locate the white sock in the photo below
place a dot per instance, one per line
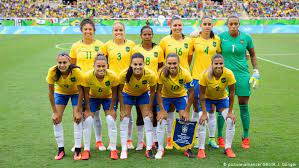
(170, 118)
(212, 124)
(112, 131)
(140, 134)
(195, 117)
(130, 128)
(87, 129)
(160, 134)
(123, 127)
(97, 125)
(230, 130)
(201, 133)
(148, 125)
(155, 139)
(78, 134)
(58, 133)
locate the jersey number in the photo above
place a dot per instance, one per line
(174, 87)
(179, 51)
(88, 54)
(118, 56)
(147, 60)
(207, 50)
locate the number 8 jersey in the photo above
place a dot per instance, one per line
(182, 48)
(151, 58)
(85, 54)
(118, 55)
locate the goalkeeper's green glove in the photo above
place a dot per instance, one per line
(255, 79)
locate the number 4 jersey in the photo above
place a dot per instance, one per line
(204, 50)
(85, 54)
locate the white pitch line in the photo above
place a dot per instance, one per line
(277, 63)
(61, 48)
(279, 54)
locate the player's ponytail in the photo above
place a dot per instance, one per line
(130, 69)
(166, 69)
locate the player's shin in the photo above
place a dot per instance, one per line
(87, 129)
(148, 132)
(58, 133)
(112, 131)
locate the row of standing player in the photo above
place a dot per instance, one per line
(118, 50)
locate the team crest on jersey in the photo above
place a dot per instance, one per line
(66, 86)
(223, 80)
(96, 48)
(73, 79)
(128, 49)
(144, 82)
(107, 83)
(181, 81)
(156, 54)
(100, 90)
(214, 44)
(242, 41)
(186, 45)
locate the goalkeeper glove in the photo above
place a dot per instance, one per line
(255, 79)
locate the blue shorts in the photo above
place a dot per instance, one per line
(196, 88)
(61, 99)
(180, 103)
(222, 103)
(94, 104)
(136, 100)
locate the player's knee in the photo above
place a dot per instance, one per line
(230, 124)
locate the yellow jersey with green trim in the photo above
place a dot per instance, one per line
(216, 88)
(118, 55)
(68, 85)
(173, 87)
(183, 48)
(103, 88)
(137, 87)
(204, 50)
(85, 54)
(151, 58)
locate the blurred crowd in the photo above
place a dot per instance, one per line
(146, 8)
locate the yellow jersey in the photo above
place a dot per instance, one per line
(174, 87)
(151, 58)
(216, 88)
(85, 54)
(100, 89)
(118, 55)
(183, 49)
(138, 87)
(204, 50)
(68, 85)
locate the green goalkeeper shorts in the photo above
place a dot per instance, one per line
(242, 87)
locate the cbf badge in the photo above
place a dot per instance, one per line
(183, 134)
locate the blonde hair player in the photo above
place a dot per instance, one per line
(118, 52)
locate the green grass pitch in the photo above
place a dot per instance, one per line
(26, 130)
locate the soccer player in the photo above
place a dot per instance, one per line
(100, 88)
(83, 53)
(206, 45)
(213, 83)
(137, 87)
(119, 51)
(173, 83)
(177, 43)
(234, 45)
(64, 81)
(154, 58)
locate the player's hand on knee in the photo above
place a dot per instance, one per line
(185, 115)
(122, 115)
(112, 113)
(55, 118)
(203, 118)
(232, 116)
(255, 79)
(77, 117)
(162, 115)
